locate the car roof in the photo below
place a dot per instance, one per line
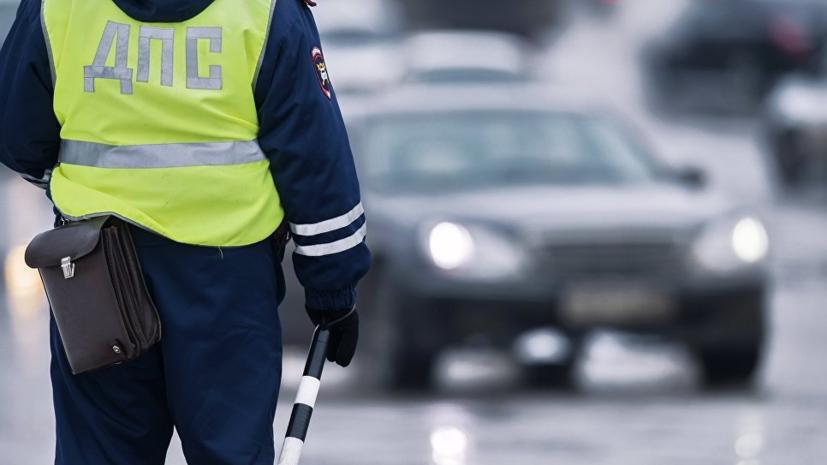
(452, 98)
(468, 49)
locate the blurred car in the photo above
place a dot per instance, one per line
(795, 124)
(361, 44)
(466, 56)
(729, 54)
(528, 18)
(505, 217)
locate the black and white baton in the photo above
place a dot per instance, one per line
(291, 450)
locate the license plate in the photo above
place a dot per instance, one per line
(616, 304)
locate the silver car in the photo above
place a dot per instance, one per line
(502, 215)
(361, 44)
(463, 57)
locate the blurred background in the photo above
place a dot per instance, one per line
(599, 236)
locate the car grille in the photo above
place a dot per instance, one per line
(651, 260)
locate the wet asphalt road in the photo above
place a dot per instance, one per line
(638, 401)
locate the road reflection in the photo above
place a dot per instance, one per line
(449, 446)
(24, 290)
(26, 306)
(450, 439)
(749, 441)
(24, 212)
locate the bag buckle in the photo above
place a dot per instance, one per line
(68, 267)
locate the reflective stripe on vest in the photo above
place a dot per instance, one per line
(159, 155)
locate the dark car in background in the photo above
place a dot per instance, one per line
(726, 55)
(528, 18)
(508, 218)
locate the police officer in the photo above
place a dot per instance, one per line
(205, 124)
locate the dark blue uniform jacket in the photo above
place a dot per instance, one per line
(301, 131)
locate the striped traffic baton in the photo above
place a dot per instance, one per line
(291, 450)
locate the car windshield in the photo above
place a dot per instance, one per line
(472, 150)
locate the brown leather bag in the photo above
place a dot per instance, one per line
(103, 310)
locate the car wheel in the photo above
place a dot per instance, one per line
(391, 359)
(730, 366)
(410, 370)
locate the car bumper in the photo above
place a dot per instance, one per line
(698, 311)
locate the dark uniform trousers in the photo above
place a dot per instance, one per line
(214, 377)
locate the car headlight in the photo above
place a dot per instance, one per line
(472, 251)
(750, 240)
(450, 245)
(732, 244)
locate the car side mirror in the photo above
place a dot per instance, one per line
(691, 176)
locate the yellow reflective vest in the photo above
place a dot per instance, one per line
(158, 120)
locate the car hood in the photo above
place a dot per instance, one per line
(563, 209)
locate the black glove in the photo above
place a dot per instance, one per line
(344, 333)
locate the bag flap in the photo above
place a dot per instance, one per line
(75, 240)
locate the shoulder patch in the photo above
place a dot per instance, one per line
(321, 71)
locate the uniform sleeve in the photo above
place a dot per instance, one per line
(29, 131)
(303, 135)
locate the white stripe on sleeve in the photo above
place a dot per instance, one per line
(334, 247)
(328, 225)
